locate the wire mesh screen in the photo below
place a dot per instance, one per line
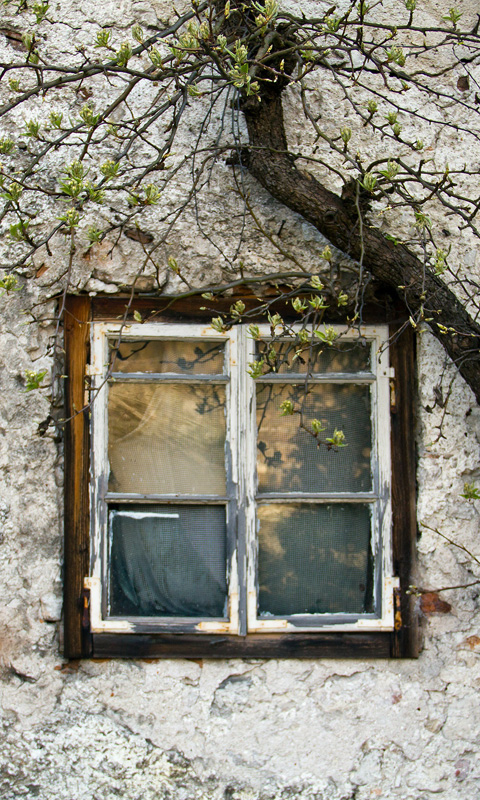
(158, 355)
(168, 561)
(166, 438)
(314, 559)
(288, 458)
(292, 356)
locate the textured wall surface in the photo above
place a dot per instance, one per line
(239, 730)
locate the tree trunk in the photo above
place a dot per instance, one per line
(394, 265)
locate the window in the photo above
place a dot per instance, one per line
(220, 524)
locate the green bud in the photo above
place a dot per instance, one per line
(369, 182)
(422, 221)
(255, 368)
(6, 145)
(275, 321)
(40, 10)
(87, 115)
(396, 55)
(94, 193)
(328, 335)
(9, 283)
(18, 230)
(34, 379)
(453, 16)
(337, 439)
(152, 194)
(298, 305)
(109, 169)
(391, 171)
(217, 324)
(28, 40)
(32, 129)
(56, 119)
(304, 336)
(470, 492)
(315, 281)
(287, 408)
(71, 218)
(317, 303)
(155, 58)
(237, 309)
(124, 54)
(103, 39)
(333, 23)
(440, 262)
(317, 426)
(13, 192)
(94, 234)
(137, 33)
(254, 331)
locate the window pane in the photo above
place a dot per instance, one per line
(167, 438)
(158, 355)
(288, 459)
(314, 559)
(168, 561)
(300, 358)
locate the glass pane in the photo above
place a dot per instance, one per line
(288, 458)
(314, 559)
(167, 438)
(158, 355)
(293, 356)
(168, 561)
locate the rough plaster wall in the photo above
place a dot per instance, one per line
(245, 730)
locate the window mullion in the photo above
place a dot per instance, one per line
(235, 565)
(99, 425)
(383, 508)
(250, 470)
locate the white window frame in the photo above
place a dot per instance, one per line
(241, 438)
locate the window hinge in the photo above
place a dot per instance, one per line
(397, 608)
(92, 369)
(86, 608)
(393, 395)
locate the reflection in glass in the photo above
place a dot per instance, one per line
(293, 356)
(288, 458)
(314, 559)
(168, 561)
(162, 355)
(166, 438)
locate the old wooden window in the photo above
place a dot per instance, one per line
(217, 525)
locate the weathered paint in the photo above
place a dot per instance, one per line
(239, 729)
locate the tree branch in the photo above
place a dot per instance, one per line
(426, 295)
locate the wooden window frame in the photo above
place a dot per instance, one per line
(79, 641)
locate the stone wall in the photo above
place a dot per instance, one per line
(239, 729)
